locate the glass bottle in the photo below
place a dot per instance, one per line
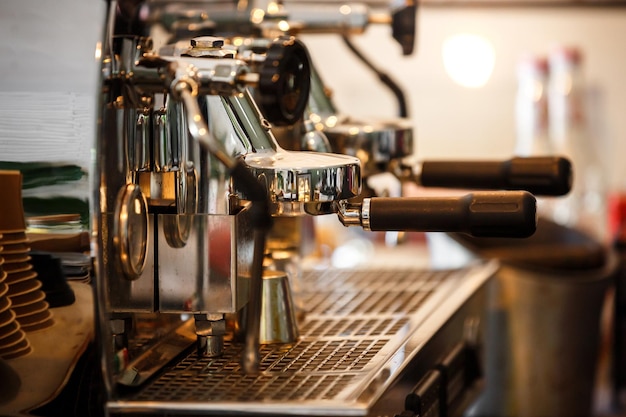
(531, 116)
(531, 107)
(585, 206)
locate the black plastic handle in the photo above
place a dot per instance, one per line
(549, 176)
(480, 214)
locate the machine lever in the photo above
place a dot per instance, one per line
(480, 214)
(549, 176)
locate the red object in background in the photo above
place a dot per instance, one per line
(617, 217)
(220, 251)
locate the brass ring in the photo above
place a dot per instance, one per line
(130, 230)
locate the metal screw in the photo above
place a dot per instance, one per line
(207, 42)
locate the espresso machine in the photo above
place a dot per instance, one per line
(189, 181)
(382, 145)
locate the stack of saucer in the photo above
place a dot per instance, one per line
(13, 341)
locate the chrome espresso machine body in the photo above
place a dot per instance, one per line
(188, 177)
(383, 145)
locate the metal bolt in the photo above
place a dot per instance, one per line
(118, 326)
(210, 330)
(209, 47)
(210, 327)
(207, 42)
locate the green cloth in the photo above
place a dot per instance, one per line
(38, 174)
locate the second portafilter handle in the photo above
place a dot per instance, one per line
(480, 214)
(547, 176)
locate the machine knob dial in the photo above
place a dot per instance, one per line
(284, 82)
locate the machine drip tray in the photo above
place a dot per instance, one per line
(362, 330)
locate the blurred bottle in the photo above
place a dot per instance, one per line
(531, 115)
(585, 207)
(531, 107)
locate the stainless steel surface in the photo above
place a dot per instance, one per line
(356, 214)
(174, 121)
(365, 213)
(250, 355)
(167, 152)
(375, 142)
(362, 329)
(350, 214)
(140, 140)
(144, 367)
(210, 331)
(130, 231)
(210, 273)
(278, 317)
(543, 352)
(298, 180)
(291, 177)
(346, 18)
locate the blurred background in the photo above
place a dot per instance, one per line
(48, 75)
(455, 120)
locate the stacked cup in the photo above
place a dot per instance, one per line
(13, 341)
(27, 299)
(22, 293)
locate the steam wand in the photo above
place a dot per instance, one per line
(385, 78)
(260, 214)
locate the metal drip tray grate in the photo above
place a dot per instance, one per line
(376, 292)
(318, 327)
(308, 371)
(356, 321)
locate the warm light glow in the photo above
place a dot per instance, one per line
(354, 131)
(331, 121)
(315, 118)
(283, 25)
(273, 8)
(98, 51)
(468, 59)
(304, 188)
(257, 15)
(345, 9)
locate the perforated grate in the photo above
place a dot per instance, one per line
(318, 327)
(353, 318)
(308, 370)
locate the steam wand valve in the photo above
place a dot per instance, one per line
(261, 217)
(547, 176)
(480, 214)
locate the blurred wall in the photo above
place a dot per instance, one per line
(454, 121)
(48, 78)
(47, 64)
